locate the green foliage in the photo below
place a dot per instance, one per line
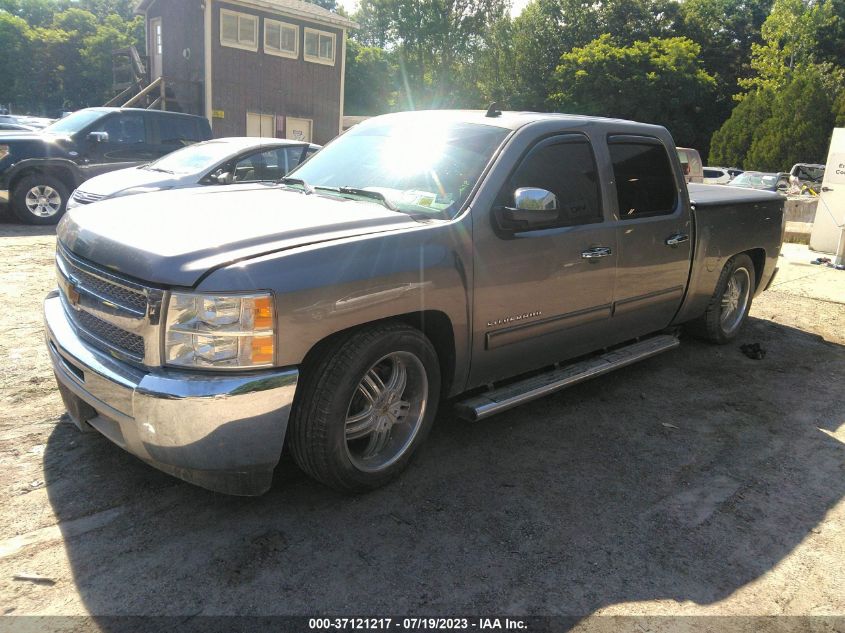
(370, 77)
(798, 129)
(58, 53)
(730, 144)
(546, 29)
(656, 81)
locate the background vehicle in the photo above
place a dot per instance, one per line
(808, 174)
(15, 127)
(716, 176)
(38, 171)
(691, 164)
(220, 161)
(419, 256)
(761, 180)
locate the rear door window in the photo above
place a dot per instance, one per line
(177, 131)
(645, 185)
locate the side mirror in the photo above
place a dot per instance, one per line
(98, 137)
(224, 178)
(533, 208)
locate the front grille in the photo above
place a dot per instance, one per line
(109, 311)
(96, 330)
(83, 197)
(121, 295)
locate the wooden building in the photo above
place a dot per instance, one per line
(253, 67)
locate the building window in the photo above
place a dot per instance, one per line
(281, 38)
(319, 47)
(238, 30)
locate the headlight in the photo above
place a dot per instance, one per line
(220, 332)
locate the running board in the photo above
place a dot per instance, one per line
(514, 394)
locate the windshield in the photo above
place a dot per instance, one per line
(72, 123)
(193, 158)
(419, 166)
(755, 181)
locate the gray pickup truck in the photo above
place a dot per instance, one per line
(486, 258)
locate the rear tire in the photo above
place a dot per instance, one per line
(728, 308)
(39, 199)
(366, 404)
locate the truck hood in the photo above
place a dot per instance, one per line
(172, 238)
(114, 182)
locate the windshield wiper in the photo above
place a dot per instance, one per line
(364, 193)
(151, 168)
(285, 180)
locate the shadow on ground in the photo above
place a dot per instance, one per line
(10, 226)
(561, 507)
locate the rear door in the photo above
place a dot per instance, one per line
(174, 132)
(544, 295)
(653, 234)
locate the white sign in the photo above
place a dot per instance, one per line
(835, 169)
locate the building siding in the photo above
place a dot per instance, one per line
(245, 81)
(183, 60)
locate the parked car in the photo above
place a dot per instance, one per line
(417, 257)
(716, 176)
(734, 171)
(761, 180)
(691, 164)
(221, 161)
(808, 173)
(6, 126)
(38, 171)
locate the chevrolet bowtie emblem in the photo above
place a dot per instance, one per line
(73, 294)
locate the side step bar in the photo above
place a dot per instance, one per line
(514, 394)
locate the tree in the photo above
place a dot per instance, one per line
(730, 143)
(798, 130)
(546, 29)
(15, 41)
(790, 38)
(655, 81)
(434, 41)
(370, 77)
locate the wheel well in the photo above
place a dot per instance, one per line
(436, 326)
(758, 258)
(61, 173)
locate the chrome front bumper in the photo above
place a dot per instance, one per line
(221, 432)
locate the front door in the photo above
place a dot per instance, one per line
(155, 48)
(654, 236)
(124, 142)
(546, 295)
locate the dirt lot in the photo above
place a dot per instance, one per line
(699, 482)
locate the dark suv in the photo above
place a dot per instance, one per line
(39, 171)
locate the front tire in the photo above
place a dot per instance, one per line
(730, 304)
(366, 405)
(39, 199)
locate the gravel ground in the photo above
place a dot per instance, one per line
(700, 482)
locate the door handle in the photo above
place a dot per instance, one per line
(827, 189)
(677, 238)
(596, 252)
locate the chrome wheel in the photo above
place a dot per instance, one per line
(43, 201)
(735, 300)
(386, 411)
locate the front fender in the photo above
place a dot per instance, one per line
(41, 164)
(330, 287)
